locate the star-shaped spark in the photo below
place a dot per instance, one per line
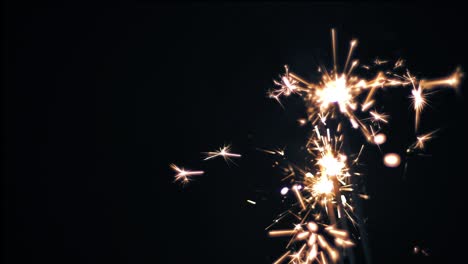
(184, 175)
(222, 152)
(379, 117)
(287, 85)
(419, 102)
(422, 139)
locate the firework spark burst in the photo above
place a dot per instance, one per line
(324, 189)
(326, 186)
(350, 95)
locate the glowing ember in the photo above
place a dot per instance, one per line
(379, 139)
(392, 160)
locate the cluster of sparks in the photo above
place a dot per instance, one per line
(322, 192)
(354, 96)
(324, 189)
(314, 245)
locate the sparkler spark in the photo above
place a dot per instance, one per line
(184, 175)
(419, 102)
(222, 152)
(422, 139)
(392, 160)
(379, 139)
(287, 85)
(312, 243)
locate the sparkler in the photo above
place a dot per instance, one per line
(324, 188)
(327, 186)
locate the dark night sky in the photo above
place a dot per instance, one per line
(98, 100)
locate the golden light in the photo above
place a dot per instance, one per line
(334, 91)
(392, 160)
(323, 186)
(380, 138)
(222, 152)
(422, 139)
(332, 166)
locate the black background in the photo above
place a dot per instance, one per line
(100, 99)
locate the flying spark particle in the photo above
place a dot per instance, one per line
(392, 160)
(184, 175)
(251, 202)
(379, 139)
(222, 152)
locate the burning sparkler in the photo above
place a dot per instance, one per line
(324, 189)
(326, 183)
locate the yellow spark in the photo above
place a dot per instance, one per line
(377, 61)
(302, 235)
(287, 84)
(379, 139)
(222, 152)
(323, 186)
(343, 243)
(251, 202)
(332, 165)
(282, 258)
(419, 102)
(277, 233)
(399, 63)
(364, 196)
(392, 160)
(337, 233)
(378, 117)
(422, 139)
(453, 81)
(352, 46)
(299, 196)
(273, 152)
(312, 252)
(313, 243)
(184, 175)
(367, 105)
(313, 227)
(302, 121)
